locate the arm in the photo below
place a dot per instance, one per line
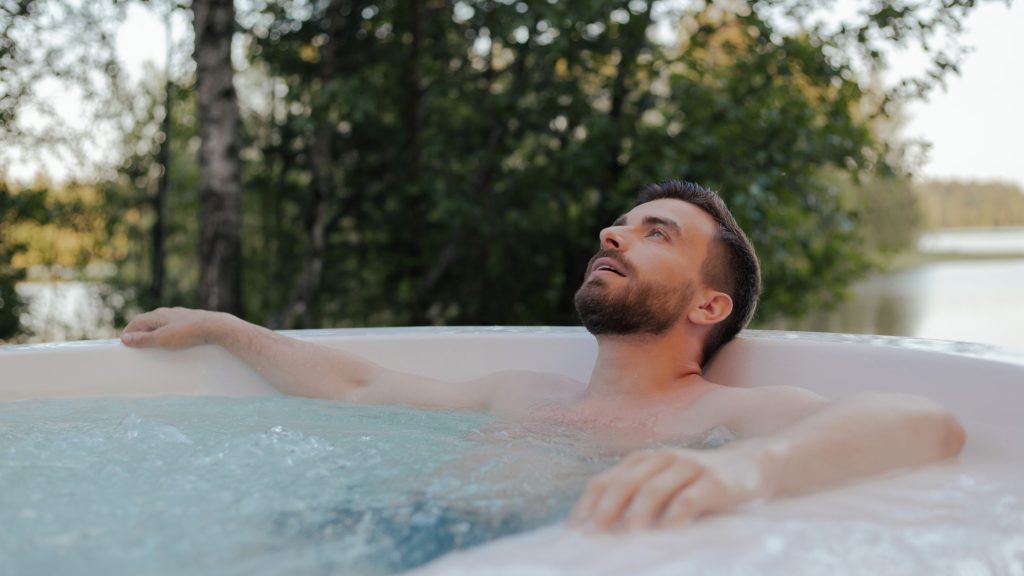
(865, 435)
(299, 367)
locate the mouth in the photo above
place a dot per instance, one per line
(607, 265)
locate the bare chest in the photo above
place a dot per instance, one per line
(624, 428)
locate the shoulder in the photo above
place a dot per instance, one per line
(783, 395)
(763, 410)
(790, 395)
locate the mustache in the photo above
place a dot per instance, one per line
(624, 264)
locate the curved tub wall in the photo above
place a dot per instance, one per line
(985, 393)
(107, 368)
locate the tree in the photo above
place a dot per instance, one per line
(474, 141)
(67, 44)
(68, 47)
(159, 146)
(12, 209)
(452, 162)
(959, 204)
(220, 188)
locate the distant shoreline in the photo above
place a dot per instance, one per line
(914, 258)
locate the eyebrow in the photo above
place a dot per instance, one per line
(652, 221)
(656, 221)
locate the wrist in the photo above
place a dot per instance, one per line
(222, 329)
(769, 458)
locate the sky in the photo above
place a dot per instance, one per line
(975, 126)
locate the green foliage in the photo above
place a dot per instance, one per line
(476, 148)
(889, 214)
(127, 199)
(58, 44)
(15, 207)
(10, 302)
(530, 130)
(53, 231)
(956, 204)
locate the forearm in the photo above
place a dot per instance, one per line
(293, 366)
(865, 435)
(301, 367)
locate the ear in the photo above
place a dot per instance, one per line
(712, 307)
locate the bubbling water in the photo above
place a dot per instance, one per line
(267, 485)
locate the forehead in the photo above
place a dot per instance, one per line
(690, 219)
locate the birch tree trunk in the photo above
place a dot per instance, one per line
(159, 231)
(220, 249)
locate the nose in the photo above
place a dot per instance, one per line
(612, 238)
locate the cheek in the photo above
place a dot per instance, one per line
(689, 266)
(674, 270)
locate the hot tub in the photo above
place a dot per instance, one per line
(962, 517)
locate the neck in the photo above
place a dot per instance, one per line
(644, 367)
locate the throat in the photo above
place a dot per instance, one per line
(641, 371)
(643, 388)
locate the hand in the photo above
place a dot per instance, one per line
(666, 488)
(175, 328)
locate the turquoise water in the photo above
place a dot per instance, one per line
(266, 486)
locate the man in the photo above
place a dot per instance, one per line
(674, 279)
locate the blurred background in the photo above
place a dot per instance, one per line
(404, 162)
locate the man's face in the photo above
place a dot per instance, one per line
(644, 277)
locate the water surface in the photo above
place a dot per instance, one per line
(264, 486)
(964, 300)
(1009, 241)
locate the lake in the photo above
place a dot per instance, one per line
(974, 301)
(60, 311)
(962, 299)
(1005, 241)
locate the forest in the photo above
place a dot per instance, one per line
(404, 162)
(965, 204)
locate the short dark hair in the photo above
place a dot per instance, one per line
(731, 264)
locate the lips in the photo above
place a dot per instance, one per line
(608, 265)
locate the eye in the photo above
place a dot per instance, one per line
(658, 233)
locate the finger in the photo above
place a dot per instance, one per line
(619, 488)
(703, 496)
(657, 493)
(146, 322)
(141, 339)
(595, 488)
(589, 498)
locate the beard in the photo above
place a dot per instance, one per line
(640, 307)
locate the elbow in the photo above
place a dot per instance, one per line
(942, 425)
(953, 434)
(936, 425)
